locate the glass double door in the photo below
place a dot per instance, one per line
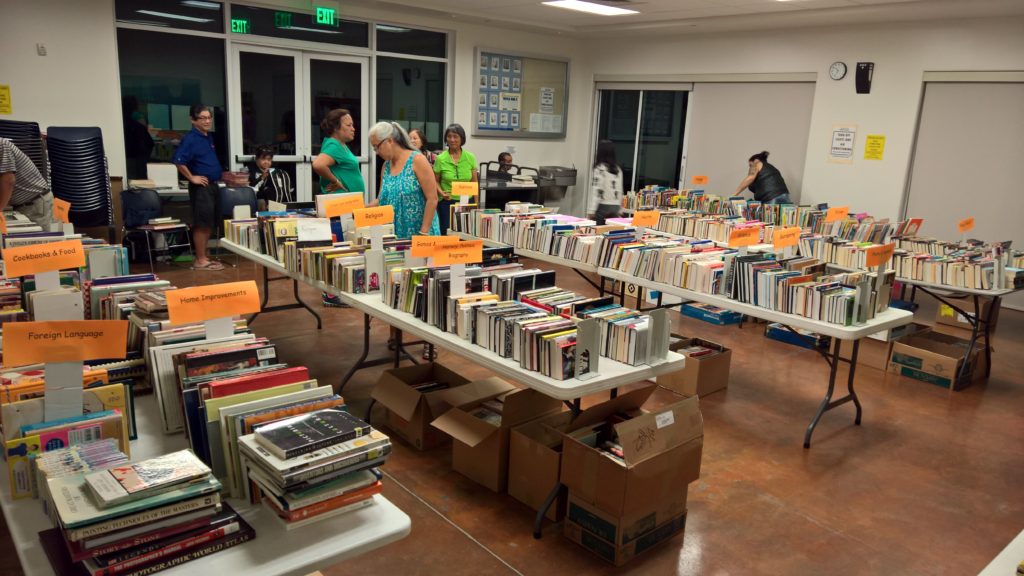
(278, 98)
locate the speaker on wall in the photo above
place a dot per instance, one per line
(864, 72)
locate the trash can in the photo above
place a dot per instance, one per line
(553, 181)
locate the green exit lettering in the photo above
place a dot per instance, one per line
(240, 26)
(282, 19)
(325, 16)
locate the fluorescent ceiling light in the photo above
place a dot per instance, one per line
(304, 29)
(388, 28)
(174, 16)
(589, 7)
(201, 4)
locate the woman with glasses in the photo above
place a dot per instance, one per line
(197, 162)
(453, 165)
(407, 183)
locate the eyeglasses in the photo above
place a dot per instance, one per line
(204, 118)
(376, 147)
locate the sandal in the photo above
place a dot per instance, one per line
(210, 265)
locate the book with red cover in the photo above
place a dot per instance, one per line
(326, 505)
(81, 549)
(260, 381)
(259, 353)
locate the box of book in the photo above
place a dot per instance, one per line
(633, 464)
(619, 540)
(711, 314)
(948, 316)
(480, 429)
(937, 358)
(413, 397)
(876, 349)
(803, 339)
(706, 369)
(535, 461)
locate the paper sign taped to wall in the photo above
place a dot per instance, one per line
(700, 180)
(874, 146)
(5, 99)
(965, 225)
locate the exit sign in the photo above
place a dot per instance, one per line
(282, 19)
(240, 26)
(325, 16)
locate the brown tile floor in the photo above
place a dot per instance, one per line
(929, 484)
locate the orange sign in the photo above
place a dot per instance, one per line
(785, 237)
(467, 252)
(425, 246)
(879, 255)
(65, 341)
(700, 180)
(374, 216)
(744, 237)
(465, 189)
(344, 205)
(837, 213)
(646, 218)
(201, 303)
(24, 260)
(3, 224)
(965, 225)
(61, 208)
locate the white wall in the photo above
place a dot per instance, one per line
(76, 83)
(901, 54)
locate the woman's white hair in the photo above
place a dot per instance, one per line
(384, 130)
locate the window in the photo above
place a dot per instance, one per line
(320, 26)
(411, 92)
(186, 14)
(401, 40)
(162, 75)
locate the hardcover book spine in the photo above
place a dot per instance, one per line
(160, 553)
(339, 465)
(313, 447)
(195, 553)
(143, 517)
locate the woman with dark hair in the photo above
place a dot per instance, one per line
(270, 184)
(606, 185)
(765, 181)
(419, 144)
(407, 182)
(336, 165)
(453, 165)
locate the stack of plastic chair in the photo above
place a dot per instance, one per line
(78, 174)
(25, 136)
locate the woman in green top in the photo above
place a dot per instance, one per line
(452, 165)
(336, 165)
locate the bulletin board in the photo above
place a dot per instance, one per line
(520, 96)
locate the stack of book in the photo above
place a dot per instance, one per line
(139, 518)
(163, 223)
(314, 466)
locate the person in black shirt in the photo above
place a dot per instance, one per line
(270, 184)
(765, 181)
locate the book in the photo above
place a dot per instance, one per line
(122, 484)
(307, 433)
(90, 533)
(142, 534)
(243, 535)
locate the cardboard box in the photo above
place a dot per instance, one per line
(946, 315)
(661, 456)
(590, 527)
(535, 462)
(702, 375)
(480, 448)
(936, 358)
(409, 412)
(712, 314)
(876, 349)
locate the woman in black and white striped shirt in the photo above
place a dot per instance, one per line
(270, 184)
(22, 187)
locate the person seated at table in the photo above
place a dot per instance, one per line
(270, 184)
(504, 162)
(22, 187)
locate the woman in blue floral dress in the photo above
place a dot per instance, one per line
(407, 182)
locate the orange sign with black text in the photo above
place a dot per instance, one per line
(374, 216)
(466, 252)
(63, 341)
(201, 303)
(25, 260)
(744, 237)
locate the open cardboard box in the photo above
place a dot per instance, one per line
(936, 358)
(591, 527)
(410, 412)
(946, 315)
(661, 456)
(535, 462)
(480, 448)
(701, 375)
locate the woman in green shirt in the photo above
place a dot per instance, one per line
(336, 165)
(452, 165)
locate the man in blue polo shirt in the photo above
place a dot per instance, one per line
(198, 163)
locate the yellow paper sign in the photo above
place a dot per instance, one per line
(426, 246)
(374, 216)
(344, 205)
(65, 341)
(5, 99)
(744, 237)
(785, 237)
(24, 260)
(879, 255)
(466, 252)
(837, 213)
(874, 147)
(646, 218)
(461, 189)
(61, 209)
(201, 303)
(965, 225)
(700, 180)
